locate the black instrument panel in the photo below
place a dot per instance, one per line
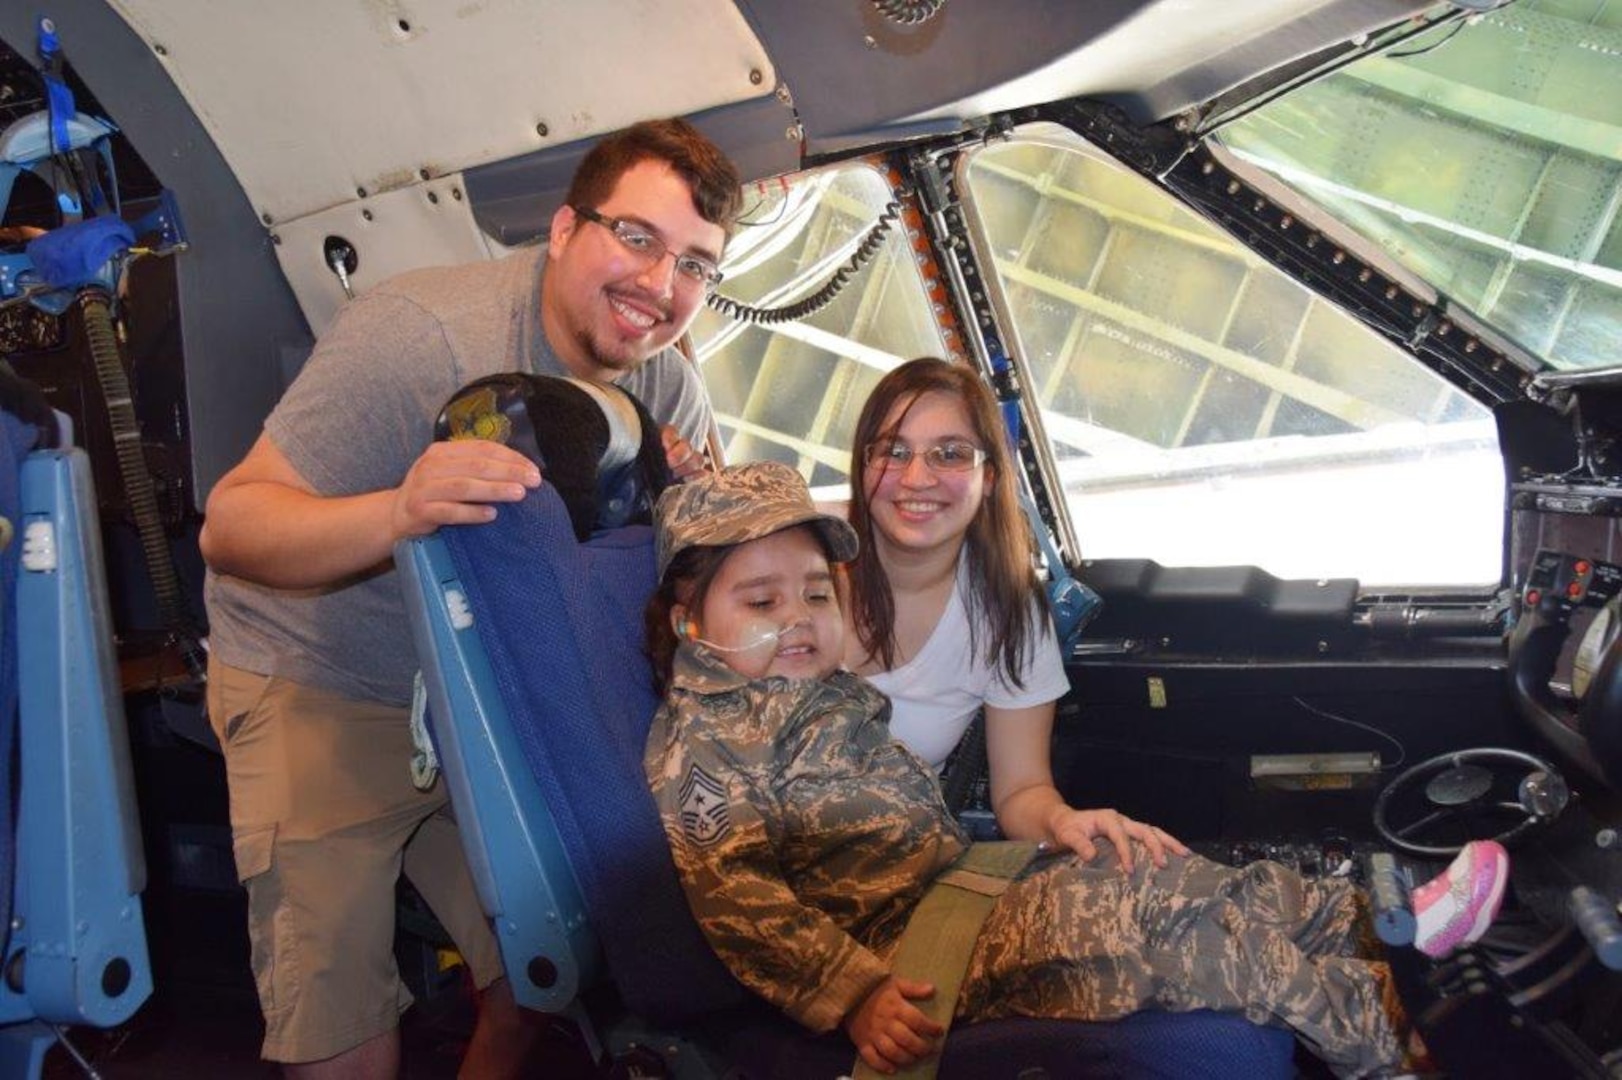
(1557, 583)
(1567, 627)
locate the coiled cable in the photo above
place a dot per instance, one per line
(909, 12)
(810, 305)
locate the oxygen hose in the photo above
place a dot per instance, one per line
(96, 307)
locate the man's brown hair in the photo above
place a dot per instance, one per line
(712, 178)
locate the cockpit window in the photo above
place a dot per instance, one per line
(1484, 156)
(790, 389)
(1205, 409)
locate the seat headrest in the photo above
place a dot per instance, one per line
(594, 442)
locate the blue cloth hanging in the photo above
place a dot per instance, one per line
(77, 254)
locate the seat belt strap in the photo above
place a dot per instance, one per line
(940, 935)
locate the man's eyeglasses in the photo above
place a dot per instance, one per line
(652, 248)
(943, 457)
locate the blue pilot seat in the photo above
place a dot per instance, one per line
(71, 867)
(540, 698)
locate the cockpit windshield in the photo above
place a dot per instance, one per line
(1483, 155)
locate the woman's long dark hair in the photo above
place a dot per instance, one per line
(1002, 576)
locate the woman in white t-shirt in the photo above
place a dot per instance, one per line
(946, 610)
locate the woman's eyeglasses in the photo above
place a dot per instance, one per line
(942, 457)
(652, 248)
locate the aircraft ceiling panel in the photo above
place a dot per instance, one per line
(311, 103)
(855, 73)
(1254, 38)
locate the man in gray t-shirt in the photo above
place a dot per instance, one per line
(311, 659)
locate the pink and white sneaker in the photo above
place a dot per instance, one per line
(1456, 907)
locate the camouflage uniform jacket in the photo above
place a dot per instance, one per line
(804, 835)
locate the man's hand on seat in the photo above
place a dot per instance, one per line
(685, 462)
(454, 482)
(889, 1030)
(267, 524)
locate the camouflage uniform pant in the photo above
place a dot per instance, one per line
(1083, 941)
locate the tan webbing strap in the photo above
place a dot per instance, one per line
(940, 936)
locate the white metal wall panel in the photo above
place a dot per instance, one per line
(311, 101)
(426, 224)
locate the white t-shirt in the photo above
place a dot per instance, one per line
(935, 694)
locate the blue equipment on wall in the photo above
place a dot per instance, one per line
(83, 262)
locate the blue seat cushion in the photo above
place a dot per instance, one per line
(582, 720)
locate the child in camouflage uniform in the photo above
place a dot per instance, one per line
(805, 836)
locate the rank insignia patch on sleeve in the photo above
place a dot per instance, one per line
(705, 817)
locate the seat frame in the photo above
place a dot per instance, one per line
(530, 893)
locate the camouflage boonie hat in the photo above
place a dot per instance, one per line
(739, 503)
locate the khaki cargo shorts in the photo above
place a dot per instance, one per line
(324, 818)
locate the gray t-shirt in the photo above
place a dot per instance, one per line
(359, 414)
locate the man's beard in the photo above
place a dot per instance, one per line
(620, 363)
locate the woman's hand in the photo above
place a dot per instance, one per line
(1077, 829)
(889, 1031)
